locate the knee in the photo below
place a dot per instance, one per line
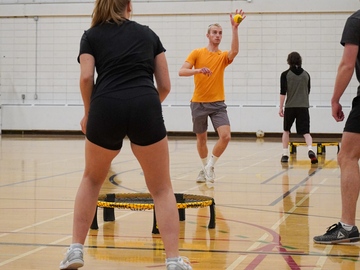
(345, 158)
(225, 137)
(202, 141)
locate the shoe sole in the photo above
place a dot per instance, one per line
(74, 265)
(200, 181)
(347, 240)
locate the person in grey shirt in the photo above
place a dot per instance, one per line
(295, 87)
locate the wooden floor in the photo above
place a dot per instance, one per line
(266, 213)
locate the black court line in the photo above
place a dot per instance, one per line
(276, 175)
(298, 185)
(240, 252)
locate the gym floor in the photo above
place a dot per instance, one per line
(266, 212)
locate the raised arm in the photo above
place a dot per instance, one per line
(235, 36)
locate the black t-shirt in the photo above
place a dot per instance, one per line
(124, 58)
(351, 34)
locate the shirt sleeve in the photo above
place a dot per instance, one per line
(351, 33)
(283, 83)
(192, 57)
(227, 61)
(159, 48)
(85, 46)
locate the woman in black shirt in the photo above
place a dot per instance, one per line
(123, 102)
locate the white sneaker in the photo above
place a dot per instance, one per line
(73, 260)
(178, 264)
(210, 174)
(201, 177)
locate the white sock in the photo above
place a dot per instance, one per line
(76, 245)
(310, 148)
(204, 161)
(285, 152)
(346, 226)
(212, 161)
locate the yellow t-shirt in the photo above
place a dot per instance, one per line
(209, 89)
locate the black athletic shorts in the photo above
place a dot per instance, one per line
(302, 117)
(140, 118)
(353, 122)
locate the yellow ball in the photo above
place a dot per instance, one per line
(238, 18)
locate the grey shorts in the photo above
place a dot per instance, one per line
(215, 110)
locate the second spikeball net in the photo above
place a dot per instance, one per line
(144, 201)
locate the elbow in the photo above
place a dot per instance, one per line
(181, 73)
(165, 90)
(347, 66)
(86, 79)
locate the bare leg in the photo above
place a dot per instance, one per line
(97, 164)
(201, 144)
(308, 139)
(285, 139)
(154, 160)
(348, 159)
(224, 139)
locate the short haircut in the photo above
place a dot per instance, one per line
(211, 25)
(294, 59)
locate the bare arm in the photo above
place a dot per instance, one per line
(187, 70)
(235, 36)
(343, 77)
(162, 77)
(87, 66)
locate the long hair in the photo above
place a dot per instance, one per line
(294, 60)
(109, 10)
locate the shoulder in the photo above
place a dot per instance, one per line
(284, 73)
(355, 15)
(353, 21)
(198, 51)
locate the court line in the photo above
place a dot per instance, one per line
(298, 185)
(276, 175)
(311, 254)
(320, 263)
(241, 258)
(36, 224)
(52, 243)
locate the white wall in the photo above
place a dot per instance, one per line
(38, 59)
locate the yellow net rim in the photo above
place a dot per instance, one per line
(198, 201)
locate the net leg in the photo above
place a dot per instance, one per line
(109, 213)
(319, 149)
(94, 224)
(212, 215)
(155, 229)
(180, 199)
(291, 148)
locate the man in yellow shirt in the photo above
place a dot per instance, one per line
(209, 98)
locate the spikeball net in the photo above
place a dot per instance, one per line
(144, 201)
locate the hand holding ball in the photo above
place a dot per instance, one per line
(238, 18)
